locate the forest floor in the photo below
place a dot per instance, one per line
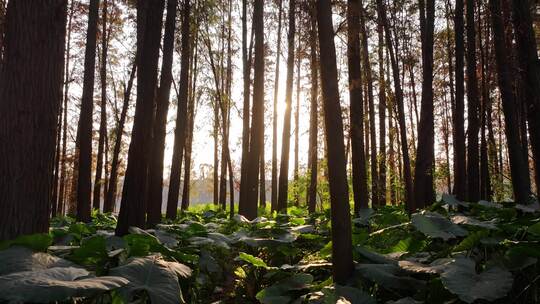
(486, 252)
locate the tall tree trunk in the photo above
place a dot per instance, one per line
(382, 109)
(530, 75)
(135, 190)
(458, 118)
(473, 107)
(110, 199)
(246, 65)
(193, 98)
(409, 198)
(67, 76)
(339, 192)
(425, 158)
(359, 178)
(313, 116)
(255, 144)
(29, 113)
(450, 55)
(518, 168)
(286, 137)
(215, 173)
(84, 183)
(274, 194)
(296, 132)
(180, 131)
(157, 150)
(96, 203)
(373, 147)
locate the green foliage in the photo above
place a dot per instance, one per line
(437, 255)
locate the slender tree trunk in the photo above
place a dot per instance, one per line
(286, 137)
(193, 98)
(530, 75)
(458, 120)
(373, 148)
(180, 131)
(355, 21)
(296, 132)
(339, 193)
(84, 183)
(382, 111)
(255, 144)
(518, 168)
(135, 190)
(274, 194)
(157, 150)
(425, 158)
(67, 76)
(409, 198)
(110, 199)
(29, 113)
(96, 203)
(313, 116)
(215, 134)
(473, 159)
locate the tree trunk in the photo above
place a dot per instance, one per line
(382, 109)
(458, 120)
(67, 76)
(135, 191)
(84, 183)
(180, 131)
(110, 199)
(425, 157)
(518, 168)
(31, 95)
(359, 178)
(409, 198)
(473, 105)
(296, 132)
(249, 210)
(339, 193)
(96, 203)
(313, 116)
(274, 194)
(530, 75)
(157, 150)
(286, 136)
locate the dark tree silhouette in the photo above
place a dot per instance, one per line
(458, 120)
(135, 191)
(84, 184)
(339, 193)
(30, 97)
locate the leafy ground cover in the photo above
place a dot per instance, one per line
(455, 252)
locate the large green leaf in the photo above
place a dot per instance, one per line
(279, 292)
(436, 226)
(18, 259)
(36, 242)
(467, 220)
(461, 279)
(152, 274)
(54, 284)
(346, 294)
(253, 260)
(389, 276)
(437, 266)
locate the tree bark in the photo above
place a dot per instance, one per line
(84, 183)
(31, 95)
(313, 116)
(518, 168)
(274, 194)
(530, 75)
(135, 190)
(157, 150)
(458, 118)
(425, 157)
(180, 131)
(339, 193)
(255, 144)
(359, 178)
(473, 105)
(96, 203)
(283, 182)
